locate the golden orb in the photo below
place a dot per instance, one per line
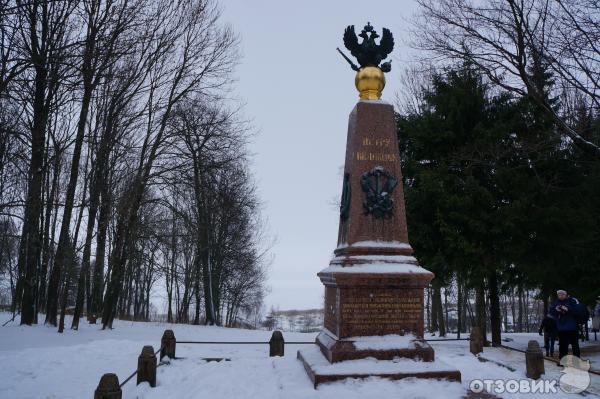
(370, 82)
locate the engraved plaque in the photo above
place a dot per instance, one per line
(366, 311)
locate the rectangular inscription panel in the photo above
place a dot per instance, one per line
(366, 311)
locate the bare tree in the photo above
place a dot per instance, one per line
(116, 120)
(197, 56)
(504, 38)
(107, 22)
(11, 64)
(45, 30)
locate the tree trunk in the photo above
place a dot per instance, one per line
(31, 242)
(98, 273)
(446, 308)
(459, 307)
(526, 304)
(63, 239)
(197, 288)
(63, 307)
(495, 315)
(46, 253)
(513, 310)
(521, 311)
(428, 309)
(124, 238)
(435, 326)
(480, 308)
(438, 311)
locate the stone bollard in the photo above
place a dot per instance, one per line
(534, 360)
(108, 387)
(276, 344)
(146, 370)
(476, 341)
(167, 345)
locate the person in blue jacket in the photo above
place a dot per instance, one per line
(564, 310)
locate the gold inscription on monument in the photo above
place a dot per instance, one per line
(375, 156)
(379, 144)
(384, 312)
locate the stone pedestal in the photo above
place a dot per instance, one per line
(373, 285)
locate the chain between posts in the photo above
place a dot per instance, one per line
(260, 343)
(290, 342)
(161, 363)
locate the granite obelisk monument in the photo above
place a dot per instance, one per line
(373, 321)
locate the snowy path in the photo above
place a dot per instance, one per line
(590, 349)
(39, 363)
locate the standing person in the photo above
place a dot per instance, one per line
(564, 310)
(548, 327)
(596, 316)
(584, 317)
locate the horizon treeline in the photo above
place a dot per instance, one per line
(123, 164)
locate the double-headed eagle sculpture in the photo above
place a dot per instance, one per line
(368, 53)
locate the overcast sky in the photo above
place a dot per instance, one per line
(299, 92)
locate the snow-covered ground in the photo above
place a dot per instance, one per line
(37, 362)
(590, 349)
(520, 340)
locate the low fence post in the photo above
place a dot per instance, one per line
(167, 344)
(476, 341)
(534, 360)
(276, 344)
(108, 387)
(146, 371)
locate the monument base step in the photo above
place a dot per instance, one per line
(320, 370)
(379, 347)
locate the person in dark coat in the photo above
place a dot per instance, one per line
(548, 327)
(564, 311)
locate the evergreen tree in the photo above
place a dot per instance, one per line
(495, 194)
